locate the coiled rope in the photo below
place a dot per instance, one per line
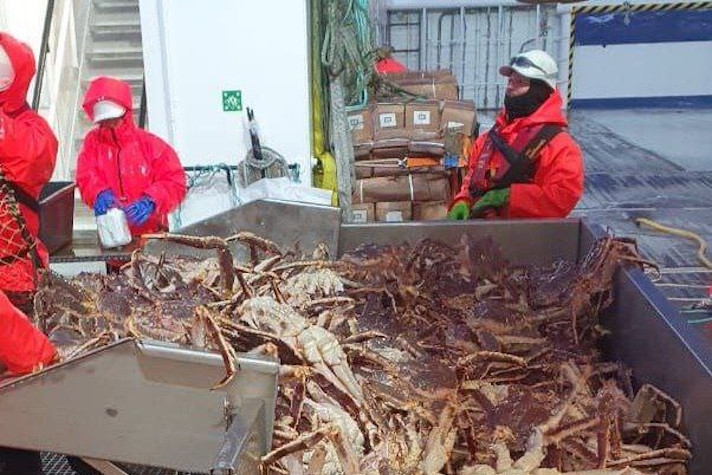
(272, 165)
(682, 233)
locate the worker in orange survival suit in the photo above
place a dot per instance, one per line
(28, 150)
(123, 166)
(527, 165)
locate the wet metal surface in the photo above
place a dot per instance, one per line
(655, 164)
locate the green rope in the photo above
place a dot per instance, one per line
(347, 47)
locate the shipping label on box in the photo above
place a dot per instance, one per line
(423, 116)
(393, 211)
(360, 125)
(363, 213)
(356, 122)
(389, 119)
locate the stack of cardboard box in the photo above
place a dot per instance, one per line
(399, 147)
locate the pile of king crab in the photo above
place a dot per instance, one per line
(401, 359)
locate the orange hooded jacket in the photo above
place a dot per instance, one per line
(557, 182)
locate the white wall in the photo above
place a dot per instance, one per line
(643, 70)
(195, 50)
(24, 19)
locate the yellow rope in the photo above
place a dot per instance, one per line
(682, 233)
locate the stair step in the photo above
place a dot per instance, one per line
(133, 76)
(117, 58)
(116, 30)
(116, 5)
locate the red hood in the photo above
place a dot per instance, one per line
(103, 88)
(23, 62)
(550, 112)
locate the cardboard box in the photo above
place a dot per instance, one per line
(459, 114)
(363, 212)
(429, 210)
(422, 116)
(388, 120)
(413, 187)
(360, 125)
(441, 84)
(363, 171)
(390, 148)
(393, 211)
(362, 151)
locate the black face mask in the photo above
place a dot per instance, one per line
(527, 103)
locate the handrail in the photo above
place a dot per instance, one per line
(44, 48)
(143, 108)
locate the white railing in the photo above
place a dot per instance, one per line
(60, 98)
(473, 39)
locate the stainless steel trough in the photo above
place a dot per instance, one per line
(151, 404)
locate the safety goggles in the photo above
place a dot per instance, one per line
(524, 62)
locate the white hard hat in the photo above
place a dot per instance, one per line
(7, 72)
(534, 64)
(106, 109)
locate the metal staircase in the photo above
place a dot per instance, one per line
(112, 47)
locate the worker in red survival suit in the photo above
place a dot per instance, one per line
(527, 165)
(123, 166)
(28, 150)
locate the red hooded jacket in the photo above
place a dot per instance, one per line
(129, 161)
(557, 183)
(28, 150)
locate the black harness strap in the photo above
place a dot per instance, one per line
(521, 163)
(24, 198)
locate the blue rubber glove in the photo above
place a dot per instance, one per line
(103, 202)
(140, 210)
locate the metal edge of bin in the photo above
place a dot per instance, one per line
(650, 336)
(286, 223)
(144, 403)
(526, 241)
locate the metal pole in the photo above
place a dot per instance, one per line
(143, 108)
(43, 54)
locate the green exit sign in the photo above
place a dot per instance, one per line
(232, 101)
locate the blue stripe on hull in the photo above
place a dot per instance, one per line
(643, 27)
(668, 102)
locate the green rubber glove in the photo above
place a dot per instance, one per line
(460, 211)
(492, 199)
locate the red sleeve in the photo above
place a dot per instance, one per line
(557, 185)
(26, 143)
(22, 346)
(168, 187)
(464, 193)
(90, 180)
